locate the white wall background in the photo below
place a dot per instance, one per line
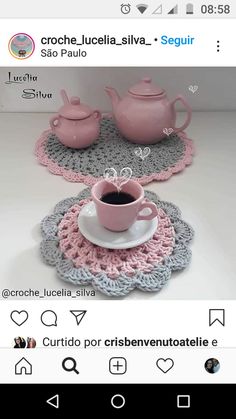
(217, 86)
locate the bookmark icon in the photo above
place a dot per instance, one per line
(217, 315)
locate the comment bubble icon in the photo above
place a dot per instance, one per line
(49, 318)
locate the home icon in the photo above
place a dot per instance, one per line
(23, 367)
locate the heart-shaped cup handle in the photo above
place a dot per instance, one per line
(54, 121)
(152, 214)
(189, 113)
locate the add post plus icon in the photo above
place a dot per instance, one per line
(118, 366)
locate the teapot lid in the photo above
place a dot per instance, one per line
(73, 108)
(146, 88)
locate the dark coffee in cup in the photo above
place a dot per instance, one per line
(117, 216)
(117, 198)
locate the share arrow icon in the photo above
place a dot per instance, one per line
(79, 315)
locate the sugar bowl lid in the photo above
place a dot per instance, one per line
(146, 88)
(73, 108)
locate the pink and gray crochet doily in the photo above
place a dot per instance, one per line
(115, 272)
(167, 157)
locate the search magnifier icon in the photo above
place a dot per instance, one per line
(69, 364)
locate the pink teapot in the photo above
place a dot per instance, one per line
(144, 112)
(76, 125)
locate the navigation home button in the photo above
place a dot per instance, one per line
(118, 401)
(54, 401)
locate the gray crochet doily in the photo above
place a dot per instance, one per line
(165, 158)
(173, 237)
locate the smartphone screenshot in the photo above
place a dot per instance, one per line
(117, 168)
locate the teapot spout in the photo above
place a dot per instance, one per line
(112, 93)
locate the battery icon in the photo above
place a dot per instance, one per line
(189, 9)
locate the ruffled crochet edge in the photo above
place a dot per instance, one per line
(121, 286)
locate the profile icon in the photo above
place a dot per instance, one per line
(212, 365)
(31, 343)
(21, 46)
(19, 343)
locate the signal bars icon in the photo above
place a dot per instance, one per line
(158, 11)
(173, 11)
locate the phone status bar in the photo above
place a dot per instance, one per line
(169, 9)
(130, 9)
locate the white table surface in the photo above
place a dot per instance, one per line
(205, 193)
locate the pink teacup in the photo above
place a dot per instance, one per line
(121, 217)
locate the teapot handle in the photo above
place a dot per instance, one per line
(55, 118)
(97, 115)
(189, 113)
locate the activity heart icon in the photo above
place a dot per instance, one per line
(192, 88)
(19, 317)
(142, 153)
(110, 174)
(165, 365)
(168, 131)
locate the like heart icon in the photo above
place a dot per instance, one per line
(168, 131)
(142, 153)
(19, 317)
(192, 88)
(110, 174)
(165, 365)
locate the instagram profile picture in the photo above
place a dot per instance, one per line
(21, 343)
(21, 46)
(212, 365)
(31, 342)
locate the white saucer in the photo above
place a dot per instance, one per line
(140, 232)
